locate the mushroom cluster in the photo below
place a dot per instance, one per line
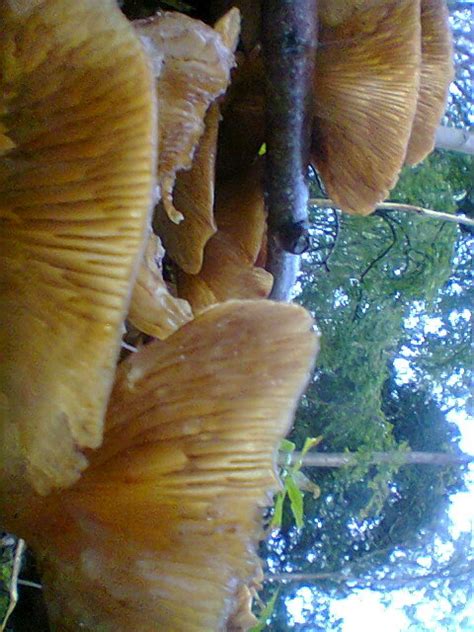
(140, 487)
(381, 78)
(144, 384)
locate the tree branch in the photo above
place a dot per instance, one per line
(350, 459)
(289, 38)
(395, 206)
(361, 582)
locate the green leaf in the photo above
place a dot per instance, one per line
(278, 511)
(266, 613)
(310, 442)
(287, 446)
(296, 500)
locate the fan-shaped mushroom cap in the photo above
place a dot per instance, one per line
(153, 309)
(193, 63)
(240, 210)
(193, 195)
(76, 179)
(226, 274)
(160, 532)
(366, 87)
(436, 74)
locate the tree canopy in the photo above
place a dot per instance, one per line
(390, 295)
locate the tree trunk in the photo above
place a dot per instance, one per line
(344, 459)
(454, 139)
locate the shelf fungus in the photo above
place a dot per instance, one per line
(192, 65)
(436, 74)
(161, 530)
(77, 170)
(382, 72)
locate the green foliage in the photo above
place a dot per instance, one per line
(373, 285)
(438, 182)
(294, 484)
(6, 564)
(266, 613)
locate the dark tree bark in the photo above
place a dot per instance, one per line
(289, 39)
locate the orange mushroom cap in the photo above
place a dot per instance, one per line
(335, 12)
(193, 195)
(366, 90)
(437, 72)
(193, 63)
(160, 532)
(153, 309)
(77, 164)
(228, 269)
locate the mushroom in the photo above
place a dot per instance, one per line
(229, 269)
(335, 12)
(153, 309)
(366, 92)
(77, 168)
(160, 532)
(380, 89)
(194, 194)
(193, 63)
(436, 74)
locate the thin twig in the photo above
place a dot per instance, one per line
(351, 459)
(362, 582)
(26, 582)
(395, 206)
(13, 595)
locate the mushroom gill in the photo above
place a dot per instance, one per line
(366, 91)
(436, 74)
(77, 168)
(160, 532)
(193, 195)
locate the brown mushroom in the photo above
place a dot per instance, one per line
(335, 12)
(77, 167)
(436, 74)
(160, 532)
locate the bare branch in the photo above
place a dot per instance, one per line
(367, 582)
(349, 459)
(395, 206)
